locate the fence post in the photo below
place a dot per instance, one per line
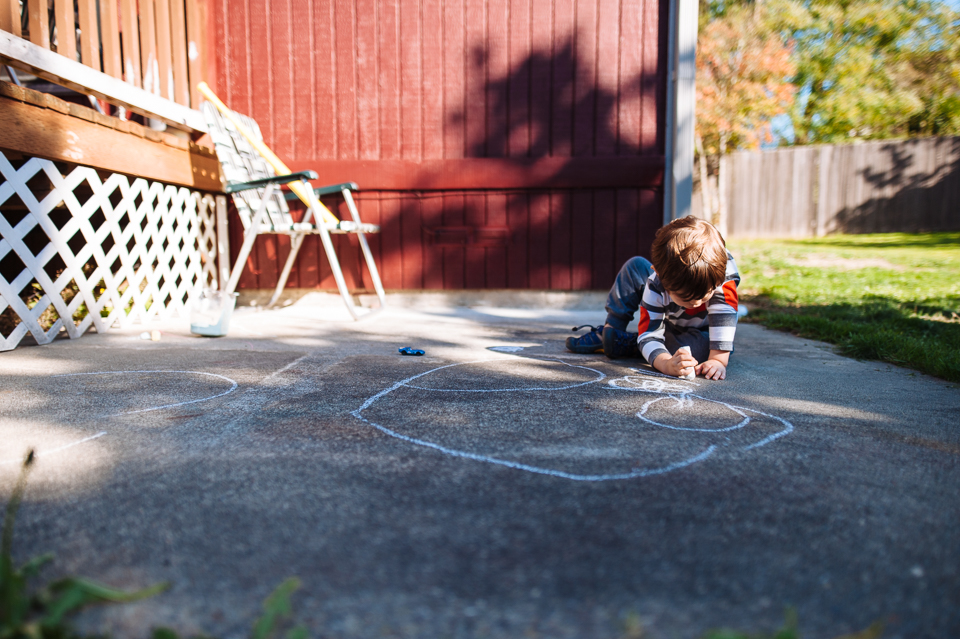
(723, 187)
(824, 157)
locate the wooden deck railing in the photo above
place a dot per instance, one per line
(155, 45)
(104, 220)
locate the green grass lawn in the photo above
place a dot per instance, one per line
(893, 297)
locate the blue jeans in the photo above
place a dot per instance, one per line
(623, 302)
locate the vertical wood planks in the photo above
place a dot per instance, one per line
(165, 48)
(130, 40)
(39, 22)
(631, 78)
(110, 39)
(473, 112)
(517, 83)
(585, 92)
(411, 68)
(267, 249)
(144, 42)
(325, 103)
(66, 28)
(346, 78)
(496, 50)
(89, 33)
(582, 242)
(178, 44)
(429, 80)
(368, 77)
(541, 77)
(563, 57)
(453, 213)
(433, 62)
(604, 237)
(196, 48)
(281, 106)
(652, 84)
(283, 71)
(627, 218)
(496, 256)
(453, 85)
(260, 66)
(561, 237)
(148, 45)
(824, 165)
(607, 118)
(538, 244)
(10, 17)
(870, 187)
(417, 264)
(304, 87)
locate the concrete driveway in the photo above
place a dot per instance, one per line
(498, 486)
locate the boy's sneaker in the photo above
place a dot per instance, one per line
(589, 343)
(617, 343)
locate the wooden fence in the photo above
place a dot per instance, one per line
(871, 187)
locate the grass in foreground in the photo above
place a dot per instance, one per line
(28, 611)
(893, 297)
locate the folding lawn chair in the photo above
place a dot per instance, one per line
(248, 168)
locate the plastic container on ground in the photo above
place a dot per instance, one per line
(210, 313)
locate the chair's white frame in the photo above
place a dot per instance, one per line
(272, 206)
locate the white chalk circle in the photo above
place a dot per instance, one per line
(133, 374)
(524, 415)
(680, 395)
(112, 394)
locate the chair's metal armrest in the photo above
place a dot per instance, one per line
(347, 226)
(327, 190)
(277, 179)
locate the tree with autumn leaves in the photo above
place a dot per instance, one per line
(841, 69)
(838, 70)
(744, 73)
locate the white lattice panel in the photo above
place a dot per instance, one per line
(133, 250)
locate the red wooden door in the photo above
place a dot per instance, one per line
(499, 143)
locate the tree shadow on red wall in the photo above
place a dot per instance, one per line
(546, 235)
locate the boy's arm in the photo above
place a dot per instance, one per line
(722, 318)
(650, 326)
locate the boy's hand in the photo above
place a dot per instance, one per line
(681, 363)
(712, 369)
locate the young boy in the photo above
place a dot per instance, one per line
(687, 296)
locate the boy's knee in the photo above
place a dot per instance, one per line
(637, 263)
(637, 269)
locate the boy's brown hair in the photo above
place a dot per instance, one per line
(690, 257)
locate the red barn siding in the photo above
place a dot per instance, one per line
(499, 143)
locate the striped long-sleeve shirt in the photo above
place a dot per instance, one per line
(719, 314)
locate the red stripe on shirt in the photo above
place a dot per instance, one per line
(644, 321)
(730, 294)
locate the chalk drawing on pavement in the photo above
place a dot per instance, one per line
(389, 412)
(41, 453)
(679, 392)
(505, 349)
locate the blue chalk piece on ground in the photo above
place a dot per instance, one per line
(406, 350)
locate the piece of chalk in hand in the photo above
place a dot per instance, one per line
(693, 375)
